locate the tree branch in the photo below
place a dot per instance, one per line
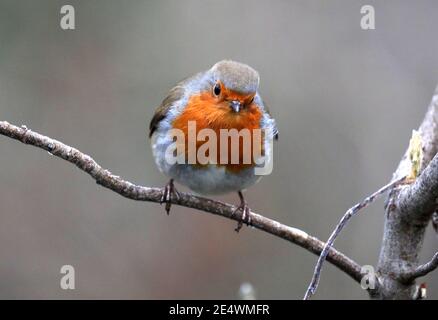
(141, 193)
(421, 271)
(409, 210)
(404, 230)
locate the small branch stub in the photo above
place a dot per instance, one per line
(421, 270)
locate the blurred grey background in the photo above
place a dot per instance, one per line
(346, 101)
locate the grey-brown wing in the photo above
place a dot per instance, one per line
(174, 95)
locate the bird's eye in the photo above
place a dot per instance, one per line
(217, 89)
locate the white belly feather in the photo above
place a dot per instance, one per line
(210, 179)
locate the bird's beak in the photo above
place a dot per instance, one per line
(235, 105)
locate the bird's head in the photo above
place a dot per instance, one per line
(233, 85)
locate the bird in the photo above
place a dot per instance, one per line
(224, 97)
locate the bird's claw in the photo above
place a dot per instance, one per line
(166, 196)
(246, 215)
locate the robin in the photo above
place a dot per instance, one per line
(225, 97)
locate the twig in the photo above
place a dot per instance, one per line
(347, 216)
(141, 193)
(421, 271)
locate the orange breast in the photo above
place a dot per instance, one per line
(207, 112)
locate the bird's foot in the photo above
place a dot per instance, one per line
(168, 191)
(246, 213)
